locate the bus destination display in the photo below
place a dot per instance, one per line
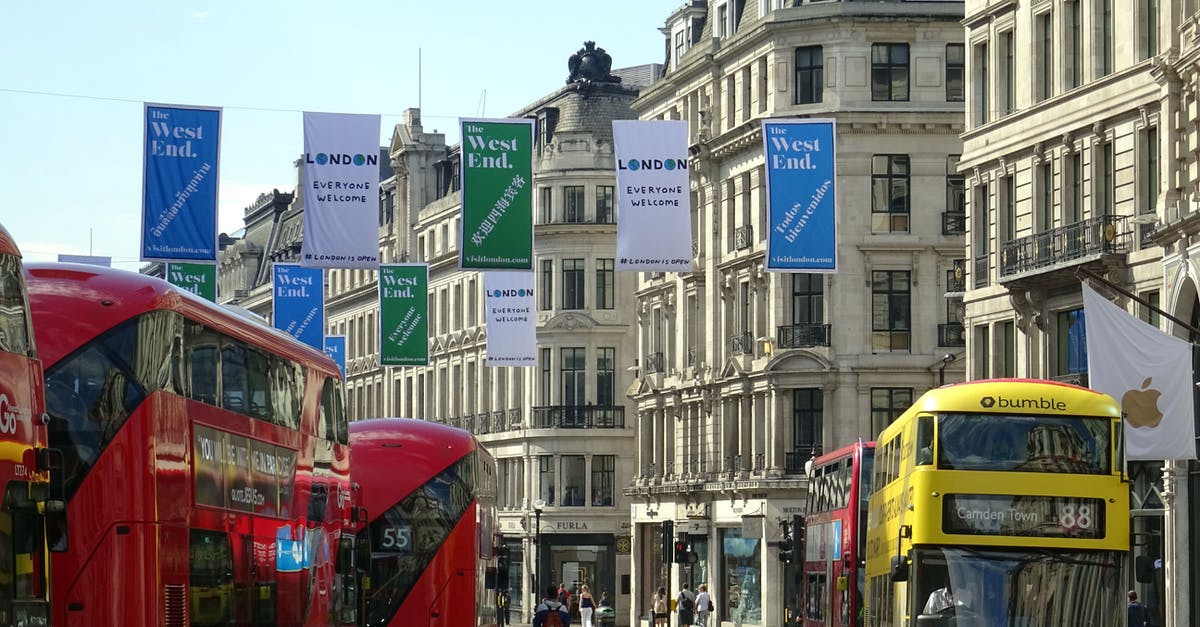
(1031, 516)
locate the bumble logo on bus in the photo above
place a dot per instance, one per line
(999, 402)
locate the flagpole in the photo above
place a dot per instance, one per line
(1116, 288)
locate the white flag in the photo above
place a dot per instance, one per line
(340, 175)
(654, 224)
(511, 319)
(1149, 372)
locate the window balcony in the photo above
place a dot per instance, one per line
(742, 344)
(804, 335)
(951, 334)
(794, 461)
(954, 223)
(1064, 247)
(579, 417)
(956, 277)
(743, 237)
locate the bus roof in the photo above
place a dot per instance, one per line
(74, 303)
(394, 456)
(845, 451)
(7, 245)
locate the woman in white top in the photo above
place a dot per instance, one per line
(703, 602)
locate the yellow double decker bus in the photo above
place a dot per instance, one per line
(999, 503)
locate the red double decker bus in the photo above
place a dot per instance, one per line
(26, 498)
(205, 455)
(430, 494)
(832, 573)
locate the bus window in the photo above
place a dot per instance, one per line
(14, 317)
(333, 414)
(924, 440)
(258, 387)
(211, 571)
(233, 377)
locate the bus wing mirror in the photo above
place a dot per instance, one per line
(899, 571)
(1143, 569)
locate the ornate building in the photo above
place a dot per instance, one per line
(1080, 157)
(743, 374)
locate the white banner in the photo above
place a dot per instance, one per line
(511, 319)
(340, 176)
(654, 223)
(1149, 372)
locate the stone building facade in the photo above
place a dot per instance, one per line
(1080, 159)
(745, 374)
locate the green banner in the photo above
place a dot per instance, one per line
(497, 195)
(197, 278)
(404, 314)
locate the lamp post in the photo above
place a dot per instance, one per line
(946, 361)
(537, 568)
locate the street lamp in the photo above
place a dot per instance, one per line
(537, 568)
(946, 361)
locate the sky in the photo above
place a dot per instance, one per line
(76, 75)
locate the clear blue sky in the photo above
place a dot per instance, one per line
(71, 164)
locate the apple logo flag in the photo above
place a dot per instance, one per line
(1149, 371)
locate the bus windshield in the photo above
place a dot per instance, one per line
(1033, 587)
(1052, 444)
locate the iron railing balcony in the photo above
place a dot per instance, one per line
(803, 335)
(579, 417)
(743, 237)
(742, 343)
(954, 222)
(794, 461)
(654, 363)
(951, 334)
(956, 277)
(1064, 246)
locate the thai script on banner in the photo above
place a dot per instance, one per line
(181, 150)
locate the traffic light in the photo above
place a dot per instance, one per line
(681, 549)
(503, 561)
(785, 550)
(668, 536)
(797, 538)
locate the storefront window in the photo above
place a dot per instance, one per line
(697, 573)
(652, 569)
(741, 591)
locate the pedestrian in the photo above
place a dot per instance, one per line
(551, 613)
(1138, 616)
(587, 605)
(685, 604)
(704, 606)
(659, 606)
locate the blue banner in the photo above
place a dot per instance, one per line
(299, 303)
(801, 195)
(335, 347)
(179, 183)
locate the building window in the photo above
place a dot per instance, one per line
(1148, 22)
(980, 235)
(1009, 366)
(1104, 15)
(606, 369)
(1046, 204)
(1073, 212)
(1074, 37)
(572, 271)
(573, 205)
(887, 404)
(545, 381)
(680, 45)
(889, 193)
(890, 310)
(604, 205)
(1150, 314)
(1044, 53)
(574, 474)
(547, 287)
(982, 352)
(955, 71)
(546, 478)
(1008, 72)
(1148, 174)
(810, 66)
(605, 284)
(721, 28)
(1071, 342)
(574, 386)
(889, 72)
(956, 201)
(808, 298)
(1008, 203)
(1104, 184)
(544, 195)
(980, 95)
(807, 420)
(604, 469)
